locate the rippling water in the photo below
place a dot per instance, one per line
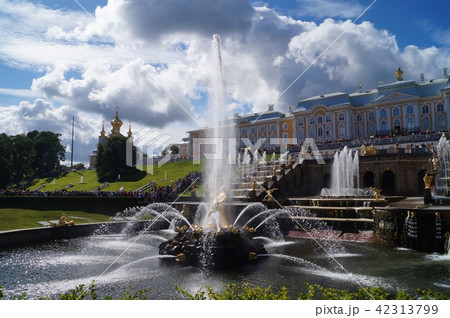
(55, 267)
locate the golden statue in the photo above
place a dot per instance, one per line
(181, 229)
(217, 205)
(427, 180)
(180, 257)
(434, 161)
(368, 151)
(269, 196)
(399, 74)
(303, 151)
(376, 193)
(174, 186)
(274, 171)
(289, 161)
(364, 148)
(254, 185)
(249, 229)
(62, 222)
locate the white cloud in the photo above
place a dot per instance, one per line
(169, 41)
(329, 8)
(43, 115)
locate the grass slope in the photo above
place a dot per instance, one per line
(170, 171)
(14, 219)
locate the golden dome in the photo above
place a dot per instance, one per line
(116, 123)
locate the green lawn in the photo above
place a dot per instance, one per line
(14, 219)
(162, 176)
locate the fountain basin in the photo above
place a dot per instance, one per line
(219, 250)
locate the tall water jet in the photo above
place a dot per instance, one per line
(345, 176)
(218, 169)
(214, 242)
(443, 167)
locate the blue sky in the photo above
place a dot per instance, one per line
(151, 57)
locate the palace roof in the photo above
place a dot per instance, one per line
(420, 89)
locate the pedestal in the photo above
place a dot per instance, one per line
(427, 198)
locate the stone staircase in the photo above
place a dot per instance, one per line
(263, 175)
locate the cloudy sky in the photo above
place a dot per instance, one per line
(82, 58)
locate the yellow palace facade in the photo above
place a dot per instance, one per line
(397, 108)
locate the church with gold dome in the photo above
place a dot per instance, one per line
(116, 124)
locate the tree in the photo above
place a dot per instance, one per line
(21, 157)
(5, 153)
(49, 152)
(174, 149)
(111, 159)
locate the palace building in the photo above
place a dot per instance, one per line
(116, 124)
(399, 108)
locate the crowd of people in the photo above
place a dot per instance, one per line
(152, 193)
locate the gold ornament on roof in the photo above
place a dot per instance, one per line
(130, 133)
(399, 74)
(116, 123)
(103, 132)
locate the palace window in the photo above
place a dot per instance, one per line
(439, 107)
(262, 129)
(441, 122)
(425, 109)
(273, 128)
(409, 109)
(359, 131)
(320, 132)
(383, 112)
(312, 121)
(319, 119)
(372, 129)
(396, 111)
(383, 127)
(341, 117)
(426, 123)
(371, 115)
(312, 132)
(300, 122)
(328, 131)
(328, 118)
(244, 131)
(397, 125)
(253, 131)
(411, 124)
(341, 130)
(285, 137)
(359, 117)
(301, 135)
(285, 126)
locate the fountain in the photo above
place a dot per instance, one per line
(214, 242)
(442, 167)
(345, 176)
(214, 238)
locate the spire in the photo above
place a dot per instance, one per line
(130, 132)
(103, 132)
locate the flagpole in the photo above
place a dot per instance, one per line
(71, 153)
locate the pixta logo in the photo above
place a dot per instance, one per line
(147, 141)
